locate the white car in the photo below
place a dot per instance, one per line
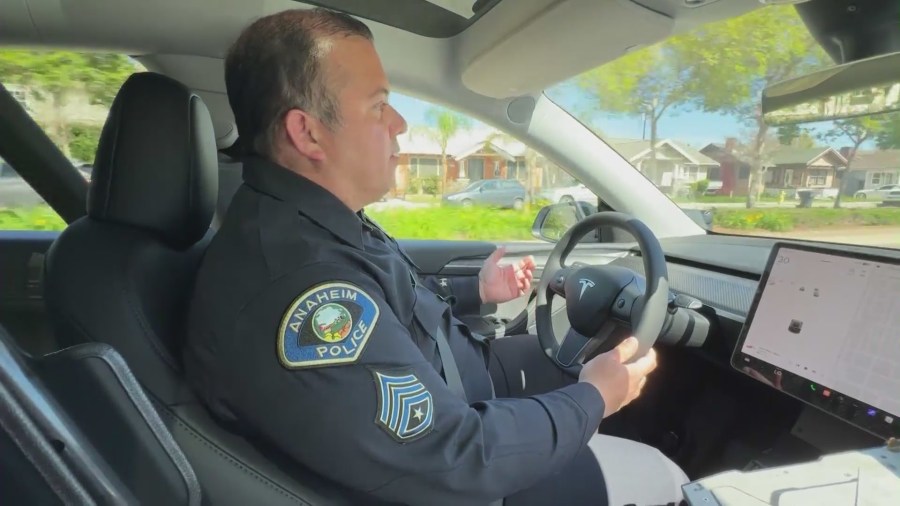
(879, 192)
(892, 198)
(567, 194)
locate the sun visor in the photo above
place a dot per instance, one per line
(566, 39)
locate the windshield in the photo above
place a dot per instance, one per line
(686, 113)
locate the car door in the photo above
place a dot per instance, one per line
(511, 191)
(490, 193)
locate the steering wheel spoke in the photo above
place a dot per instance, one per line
(576, 347)
(558, 283)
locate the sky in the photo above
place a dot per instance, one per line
(695, 128)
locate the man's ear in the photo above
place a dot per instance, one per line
(304, 132)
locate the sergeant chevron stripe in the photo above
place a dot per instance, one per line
(405, 407)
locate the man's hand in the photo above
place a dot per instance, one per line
(501, 283)
(619, 383)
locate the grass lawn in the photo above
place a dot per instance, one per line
(423, 199)
(480, 223)
(30, 218)
(457, 223)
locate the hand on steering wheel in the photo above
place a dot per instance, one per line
(618, 382)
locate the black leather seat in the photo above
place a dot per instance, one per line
(123, 275)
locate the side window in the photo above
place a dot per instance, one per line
(459, 179)
(68, 95)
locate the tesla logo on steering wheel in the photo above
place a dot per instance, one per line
(585, 284)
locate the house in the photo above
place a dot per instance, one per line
(470, 156)
(788, 169)
(733, 172)
(816, 168)
(871, 169)
(420, 158)
(677, 164)
(490, 158)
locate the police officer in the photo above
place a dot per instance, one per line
(310, 329)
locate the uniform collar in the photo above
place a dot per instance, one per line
(311, 200)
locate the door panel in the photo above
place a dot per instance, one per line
(433, 256)
(22, 309)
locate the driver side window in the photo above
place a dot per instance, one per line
(459, 179)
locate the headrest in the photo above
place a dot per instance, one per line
(156, 166)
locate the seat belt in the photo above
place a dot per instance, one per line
(451, 374)
(448, 362)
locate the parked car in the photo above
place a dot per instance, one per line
(568, 194)
(878, 192)
(892, 198)
(490, 192)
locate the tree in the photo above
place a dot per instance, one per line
(889, 135)
(55, 77)
(645, 83)
(857, 131)
(84, 141)
(446, 125)
(739, 58)
(794, 136)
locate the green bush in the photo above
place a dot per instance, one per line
(782, 220)
(84, 140)
(431, 185)
(698, 188)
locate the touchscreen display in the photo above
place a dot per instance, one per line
(831, 321)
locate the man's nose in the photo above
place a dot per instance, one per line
(399, 123)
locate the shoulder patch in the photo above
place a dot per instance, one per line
(328, 324)
(405, 407)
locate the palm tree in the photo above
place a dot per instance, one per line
(446, 124)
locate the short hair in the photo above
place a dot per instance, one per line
(275, 65)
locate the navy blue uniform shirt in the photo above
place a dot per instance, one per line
(312, 330)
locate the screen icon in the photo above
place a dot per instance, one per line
(888, 419)
(826, 393)
(871, 412)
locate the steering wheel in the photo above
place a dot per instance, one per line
(600, 298)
